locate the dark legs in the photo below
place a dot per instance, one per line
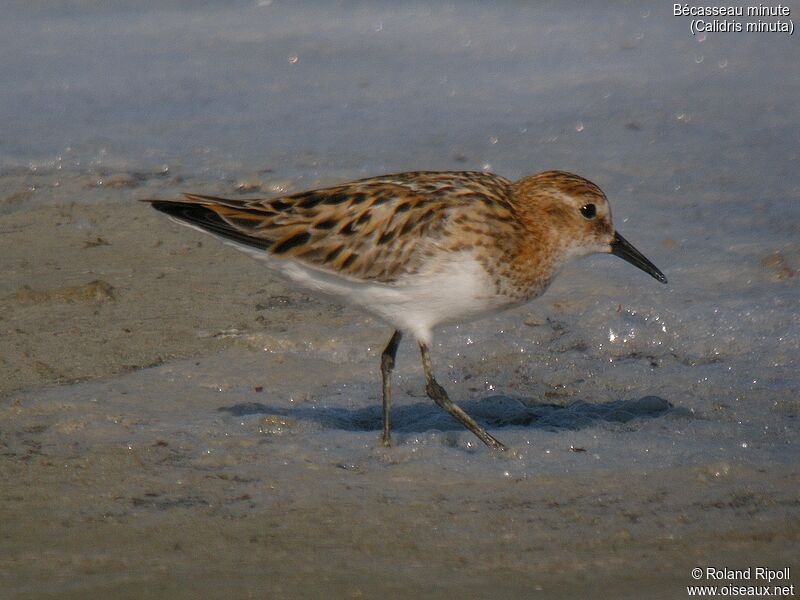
(433, 389)
(438, 395)
(387, 364)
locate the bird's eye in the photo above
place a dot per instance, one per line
(589, 211)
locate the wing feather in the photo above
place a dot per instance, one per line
(377, 228)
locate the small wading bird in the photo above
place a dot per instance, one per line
(421, 249)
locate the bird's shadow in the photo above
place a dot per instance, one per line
(493, 412)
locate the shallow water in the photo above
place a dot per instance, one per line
(644, 420)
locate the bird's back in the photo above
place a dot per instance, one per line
(380, 229)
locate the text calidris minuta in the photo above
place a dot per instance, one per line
(421, 249)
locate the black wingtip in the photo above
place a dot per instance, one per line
(208, 220)
(174, 209)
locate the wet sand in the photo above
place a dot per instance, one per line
(161, 442)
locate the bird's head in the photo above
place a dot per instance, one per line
(574, 213)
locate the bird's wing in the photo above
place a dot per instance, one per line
(374, 229)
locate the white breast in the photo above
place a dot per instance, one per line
(455, 288)
(452, 287)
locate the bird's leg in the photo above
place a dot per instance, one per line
(438, 395)
(387, 364)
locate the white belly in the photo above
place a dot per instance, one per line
(453, 287)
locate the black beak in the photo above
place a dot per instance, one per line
(622, 248)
